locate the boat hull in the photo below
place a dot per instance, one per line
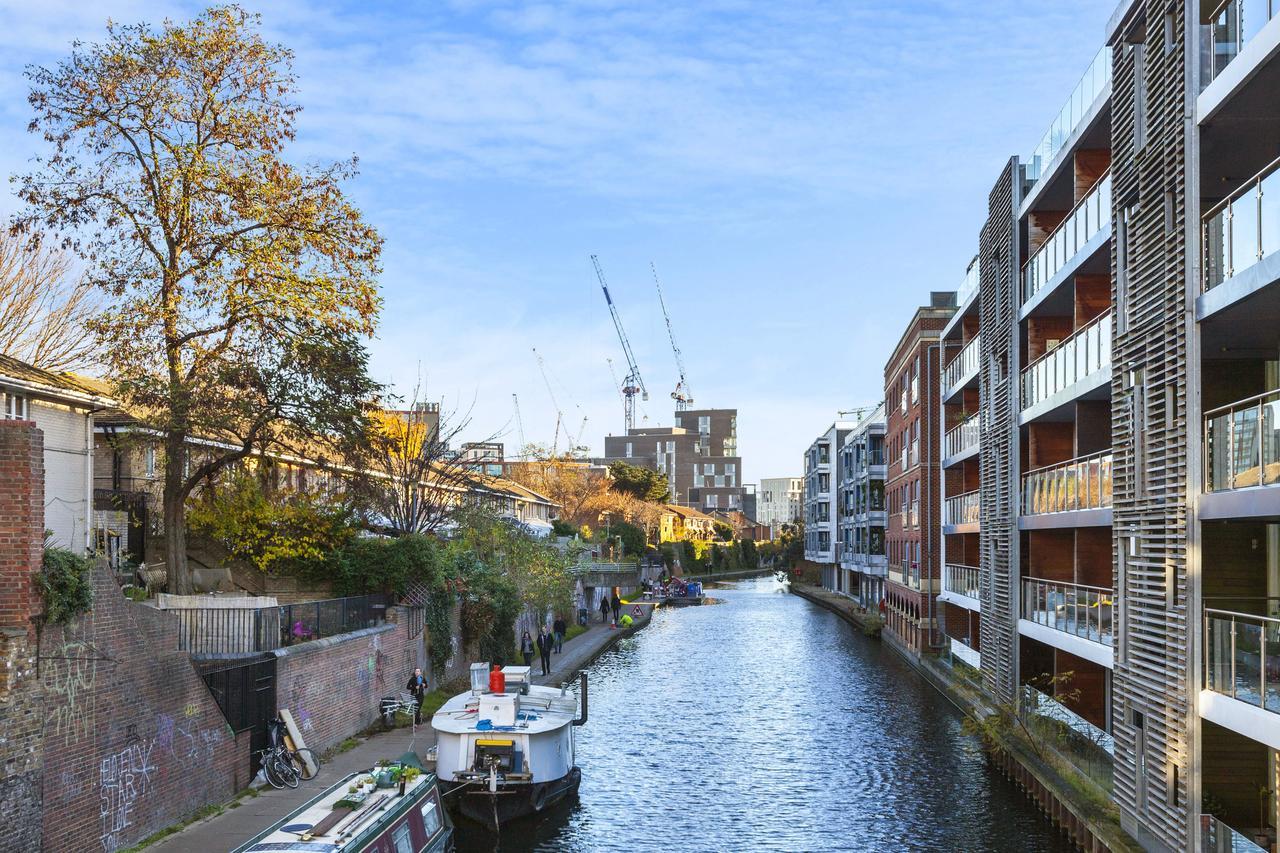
(513, 801)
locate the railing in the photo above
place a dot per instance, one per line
(1083, 483)
(1217, 837)
(1243, 228)
(243, 630)
(1085, 220)
(963, 580)
(908, 576)
(875, 457)
(1085, 352)
(1242, 655)
(1229, 28)
(1094, 81)
(962, 365)
(1083, 611)
(972, 277)
(962, 436)
(1242, 443)
(962, 509)
(1089, 748)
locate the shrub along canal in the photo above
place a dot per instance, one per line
(767, 723)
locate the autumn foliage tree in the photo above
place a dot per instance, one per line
(241, 287)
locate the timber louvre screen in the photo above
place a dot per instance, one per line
(998, 450)
(1150, 358)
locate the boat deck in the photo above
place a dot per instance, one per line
(542, 710)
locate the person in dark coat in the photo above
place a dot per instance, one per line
(418, 687)
(616, 604)
(604, 609)
(560, 628)
(526, 648)
(546, 643)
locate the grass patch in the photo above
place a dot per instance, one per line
(346, 746)
(575, 630)
(198, 815)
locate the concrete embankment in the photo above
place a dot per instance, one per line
(844, 607)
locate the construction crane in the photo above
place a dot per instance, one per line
(515, 401)
(633, 384)
(542, 368)
(682, 395)
(617, 386)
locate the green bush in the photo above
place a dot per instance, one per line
(632, 537)
(65, 583)
(562, 528)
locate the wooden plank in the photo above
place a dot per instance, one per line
(293, 739)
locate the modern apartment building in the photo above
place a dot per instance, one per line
(913, 444)
(779, 501)
(863, 515)
(821, 486)
(698, 456)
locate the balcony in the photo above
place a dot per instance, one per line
(962, 438)
(909, 576)
(968, 287)
(1082, 355)
(1077, 485)
(1228, 29)
(1075, 609)
(1094, 82)
(1242, 655)
(1242, 449)
(961, 509)
(962, 367)
(1090, 215)
(1243, 228)
(962, 580)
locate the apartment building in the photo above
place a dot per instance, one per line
(821, 484)
(779, 501)
(698, 456)
(913, 444)
(863, 514)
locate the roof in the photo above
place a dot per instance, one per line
(688, 513)
(60, 385)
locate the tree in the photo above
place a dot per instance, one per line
(632, 537)
(565, 481)
(44, 310)
(240, 285)
(642, 483)
(723, 529)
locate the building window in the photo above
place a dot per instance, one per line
(15, 407)
(628, 450)
(713, 501)
(704, 424)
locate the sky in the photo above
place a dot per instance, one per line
(801, 175)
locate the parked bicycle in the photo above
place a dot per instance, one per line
(285, 767)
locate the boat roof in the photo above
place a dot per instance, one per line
(542, 710)
(347, 834)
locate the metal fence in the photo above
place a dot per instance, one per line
(245, 690)
(246, 630)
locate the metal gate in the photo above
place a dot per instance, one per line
(245, 690)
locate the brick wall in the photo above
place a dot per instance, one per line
(333, 686)
(134, 741)
(21, 523)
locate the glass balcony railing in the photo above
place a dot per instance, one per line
(1225, 32)
(961, 437)
(1083, 483)
(1242, 654)
(1087, 351)
(1242, 444)
(962, 365)
(1083, 611)
(1089, 748)
(1090, 215)
(1091, 85)
(1243, 228)
(972, 275)
(963, 580)
(1218, 837)
(962, 509)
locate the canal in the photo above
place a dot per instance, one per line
(767, 723)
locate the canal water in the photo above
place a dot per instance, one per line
(767, 723)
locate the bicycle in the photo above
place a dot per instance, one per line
(306, 762)
(279, 768)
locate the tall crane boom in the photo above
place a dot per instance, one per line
(633, 384)
(682, 395)
(542, 368)
(515, 401)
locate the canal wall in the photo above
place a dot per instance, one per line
(729, 576)
(844, 607)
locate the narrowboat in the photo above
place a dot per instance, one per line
(505, 749)
(390, 809)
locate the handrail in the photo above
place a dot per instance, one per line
(1099, 196)
(1081, 610)
(1066, 462)
(957, 438)
(1229, 406)
(1075, 108)
(1084, 199)
(1243, 185)
(1238, 231)
(965, 361)
(1238, 654)
(1240, 442)
(1105, 315)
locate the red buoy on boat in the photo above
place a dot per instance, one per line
(497, 681)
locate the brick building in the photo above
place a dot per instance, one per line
(912, 446)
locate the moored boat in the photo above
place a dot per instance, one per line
(394, 807)
(507, 753)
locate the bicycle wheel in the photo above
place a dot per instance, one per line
(285, 770)
(305, 762)
(269, 770)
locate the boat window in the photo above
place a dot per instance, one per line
(431, 815)
(401, 838)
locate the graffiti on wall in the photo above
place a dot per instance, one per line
(124, 779)
(71, 674)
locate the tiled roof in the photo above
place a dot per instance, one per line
(55, 383)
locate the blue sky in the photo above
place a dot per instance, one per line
(802, 174)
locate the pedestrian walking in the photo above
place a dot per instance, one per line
(418, 687)
(604, 609)
(560, 629)
(616, 604)
(545, 644)
(526, 648)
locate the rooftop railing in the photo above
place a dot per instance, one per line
(1091, 85)
(1226, 30)
(962, 509)
(1242, 443)
(961, 437)
(1242, 654)
(1085, 352)
(1072, 608)
(972, 277)
(962, 365)
(962, 580)
(1082, 483)
(243, 630)
(1086, 219)
(1243, 228)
